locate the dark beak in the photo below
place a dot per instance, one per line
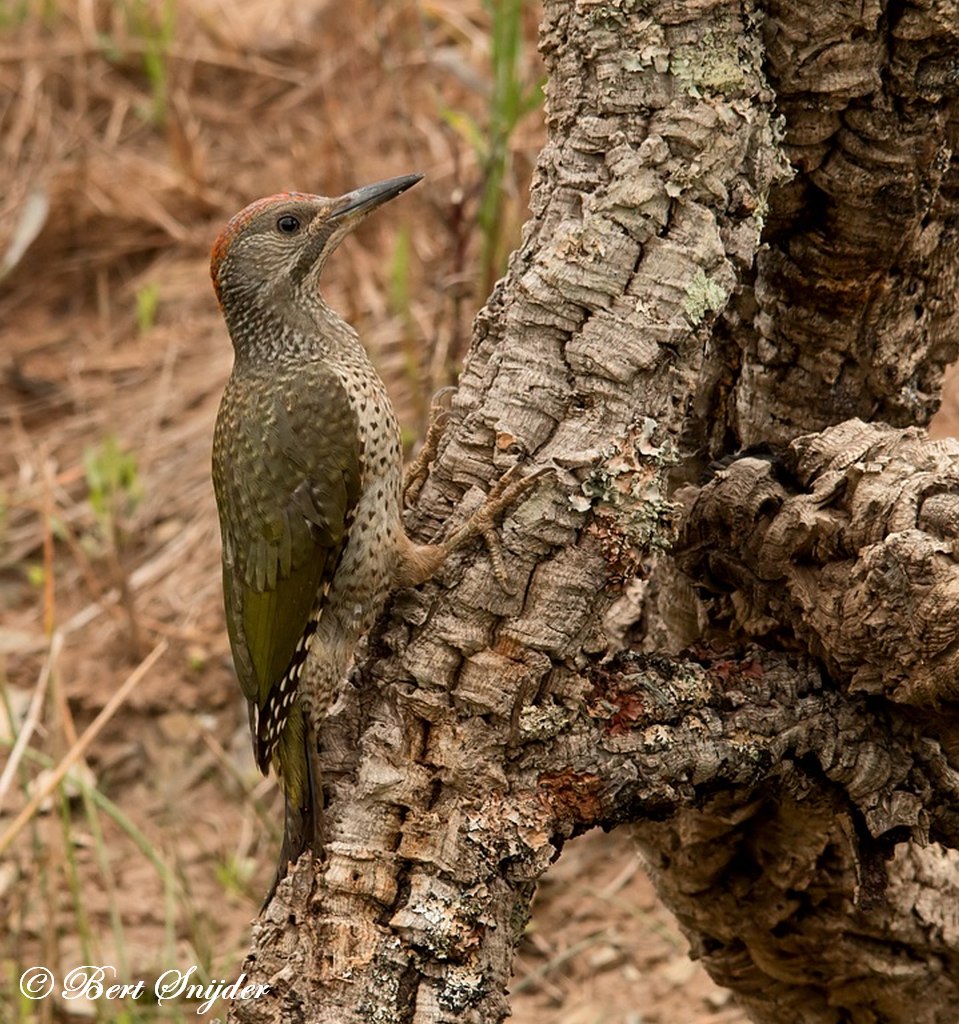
(362, 200)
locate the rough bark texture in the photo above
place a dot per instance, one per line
(844, 546)
(856, 292)
(773, 766)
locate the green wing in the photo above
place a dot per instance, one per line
(287, 478)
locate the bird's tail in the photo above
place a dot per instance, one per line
(295, 763)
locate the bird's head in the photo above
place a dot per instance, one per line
(276, 247)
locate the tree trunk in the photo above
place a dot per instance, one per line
(743, 228)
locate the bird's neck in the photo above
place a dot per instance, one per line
(297, 331)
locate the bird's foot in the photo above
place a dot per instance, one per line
(505, 492)
(418, 470)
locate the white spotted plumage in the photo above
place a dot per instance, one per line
(272, 717)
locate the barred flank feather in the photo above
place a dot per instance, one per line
(271, 719)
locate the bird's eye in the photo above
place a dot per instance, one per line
(287, 224)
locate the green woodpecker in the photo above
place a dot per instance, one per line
(307, 469)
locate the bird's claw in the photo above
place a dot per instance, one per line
(503, 494)
(418, 470)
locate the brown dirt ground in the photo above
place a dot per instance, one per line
(138, 168)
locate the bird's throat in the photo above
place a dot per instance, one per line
(291, 327)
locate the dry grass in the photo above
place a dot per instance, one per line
(129, 132)
(110, 326)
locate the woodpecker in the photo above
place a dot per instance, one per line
(307, 470)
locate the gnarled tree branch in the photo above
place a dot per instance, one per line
(846, 543)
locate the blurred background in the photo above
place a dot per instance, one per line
(134, 828)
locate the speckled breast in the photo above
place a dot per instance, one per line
(365, 573)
